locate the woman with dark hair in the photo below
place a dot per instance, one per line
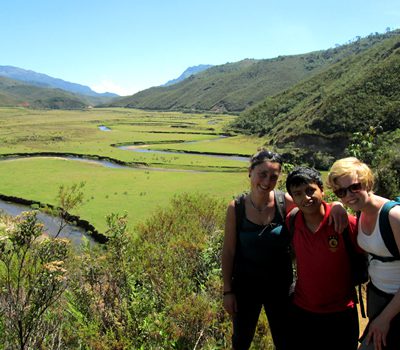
(256, 261)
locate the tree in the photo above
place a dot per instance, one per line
(381, 152)
(363, 145)
(68, 199)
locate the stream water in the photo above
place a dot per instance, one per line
(141, 149)
(134, 148)
(75, 233)
(51, 223)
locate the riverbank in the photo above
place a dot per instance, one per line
(76, 228)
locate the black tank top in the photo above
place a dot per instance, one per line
(262, 250)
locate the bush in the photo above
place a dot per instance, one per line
(33, 277)
(157, 289)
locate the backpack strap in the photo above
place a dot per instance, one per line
(292, 217)
(290, 227)
(239, 211)
(386, 229)
(280, 203)
(240, 208)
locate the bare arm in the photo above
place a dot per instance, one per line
(228, 256)
(289, 203)
(338, 217)
(379, 327)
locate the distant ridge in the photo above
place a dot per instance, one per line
(42, 80)
(17, 93)
(188, 72)
(234, 87)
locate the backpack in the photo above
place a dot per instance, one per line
(358, 261)
(387, 233)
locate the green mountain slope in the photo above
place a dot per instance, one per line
(16, 93)
(233, 87)
(321, 113)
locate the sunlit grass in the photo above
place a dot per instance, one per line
(77, 132)
(139, 192)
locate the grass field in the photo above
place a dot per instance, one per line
(139, 192)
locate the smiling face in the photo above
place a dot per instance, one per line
(355, 199)
(308, 197)
(264, 176)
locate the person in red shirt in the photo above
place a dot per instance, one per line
(323, 313)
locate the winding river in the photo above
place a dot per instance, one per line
(51, 223)
(141, 148)
(135, 148)
(75, 233)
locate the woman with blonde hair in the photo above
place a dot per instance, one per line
(353, 182)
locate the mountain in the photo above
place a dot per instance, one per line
(188, 72)
(320, 114)
(42, 80)
(16, 93)
(233, 87)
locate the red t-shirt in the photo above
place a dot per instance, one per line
(323, 266)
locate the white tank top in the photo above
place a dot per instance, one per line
(384, 275)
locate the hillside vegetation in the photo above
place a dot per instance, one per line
(233, 87)
(322, 112)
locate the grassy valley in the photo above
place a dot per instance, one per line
(148, 180)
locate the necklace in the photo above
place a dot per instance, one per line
(265, 206)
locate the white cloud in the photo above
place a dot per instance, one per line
(110, 86)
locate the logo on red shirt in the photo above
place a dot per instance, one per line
(333, 242)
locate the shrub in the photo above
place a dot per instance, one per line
(33, 277)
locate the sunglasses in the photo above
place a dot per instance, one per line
(263, 156)
(353, 188)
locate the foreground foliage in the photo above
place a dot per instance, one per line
(32, 280)
(157, 289)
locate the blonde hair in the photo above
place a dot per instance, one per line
(351, 166)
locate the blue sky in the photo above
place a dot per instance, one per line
(125, 46)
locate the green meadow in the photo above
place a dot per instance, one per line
(138, 191)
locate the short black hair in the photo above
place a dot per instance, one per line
(263, 155)
(303, 176)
